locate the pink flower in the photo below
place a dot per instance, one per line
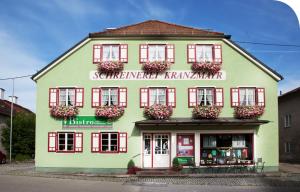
(248, 112)
(63, 111)
(109, 112)
(156, 66)
(158, 111)
(206, 67)
(110, 66)
(206, 112)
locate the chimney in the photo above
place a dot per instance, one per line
(280, 92)
(2, 91)
(14, 99)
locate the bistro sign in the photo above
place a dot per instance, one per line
(168, 75)
(86, 122)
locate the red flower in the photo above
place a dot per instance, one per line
(109, 112)
(248, 112)
(206, 112)
(206, 67)
(156, 66)
(61, 112)
(158, 111)
(110, 66)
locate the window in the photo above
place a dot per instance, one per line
(287, 147)
(157, 52)
(287, 120)
(247, 96)
(205, 96)
(157, 96)
(204, 53)
(109, 142)
(65, 141)
(67, 97)
(111, 52)
(222, 149)
(109, 96)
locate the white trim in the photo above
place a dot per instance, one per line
(62, 58)
(251, 59)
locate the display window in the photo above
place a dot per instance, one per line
(224, 149)
(185, 145)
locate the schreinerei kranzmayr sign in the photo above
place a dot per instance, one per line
(86, 122)
(168, 75)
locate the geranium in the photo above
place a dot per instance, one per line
(110, 66)
(248, 112)
(158, 111)
(206, 112)
(206, 67)
(63, 112)
(156, 66)
(109, 112)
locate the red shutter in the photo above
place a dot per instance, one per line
(217, 54)
(79, 97)
(123, 142)
(171, 97)
(219, 97)
(124, 53)
(143, 53)
(52, 142)
(96, 97)
(97, 53)
(260, 96)
(144, 97)
(234, 97)
(95, 142)
(123, 97)
(78, 142)
(170, 53)
(53, 97)
(191, 53)
(192, 96)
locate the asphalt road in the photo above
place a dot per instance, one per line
(38, 184)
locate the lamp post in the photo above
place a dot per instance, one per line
(11, 118)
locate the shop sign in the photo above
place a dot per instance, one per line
(86, 122)
(168, 75)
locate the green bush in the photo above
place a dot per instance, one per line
(22, 157)
(130, 164)
(176, 164)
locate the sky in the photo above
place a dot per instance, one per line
(35, 32)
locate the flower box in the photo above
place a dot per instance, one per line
(63, 112)
(156, 66)
(110, 66)
(109, 112)
(206, 67)
(206, 112)
(248, 112)
(158, 111)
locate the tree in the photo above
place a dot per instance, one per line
(23, 135)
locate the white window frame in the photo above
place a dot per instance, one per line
(287, 147)
(201, 60)
(109, 95)
(157, 101)
(247, 96)
(109, 142)
(205, 95)
(156, 52)
(110, 52)
(287, 121)
(66, 142)
(67, 90)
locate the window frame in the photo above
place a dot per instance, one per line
(288, 121)
(109, 95)
(110, 45)
(109, 142)
(213, 89)
(212, 52)
(287, 147)
(157, 95)
(247, 95)
(165, 52)
(66, 142)
(66, 95)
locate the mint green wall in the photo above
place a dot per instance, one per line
(74, 71)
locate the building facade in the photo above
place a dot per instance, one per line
(289, 126)
(86, 142)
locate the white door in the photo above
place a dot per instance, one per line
(161, 152)
(147, 151)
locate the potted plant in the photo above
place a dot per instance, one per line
(112, 112)
(206, 67)
(158, 111)
(206, 112)
(63, 112)
(176, 166)
(248, 112)
(156, 66)
(110, 66)
(131, 168)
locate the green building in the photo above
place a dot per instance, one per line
(109, 98)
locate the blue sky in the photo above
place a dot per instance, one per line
(33, 33)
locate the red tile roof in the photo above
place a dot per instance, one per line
(6, 105)
(155, 27)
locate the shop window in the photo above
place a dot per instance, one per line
(287, 120)
(247, 96)
(158, 96)
(185, 145)
(205, 96)
(224, 149)
(109, 142)
(111, 52)
(204, 53)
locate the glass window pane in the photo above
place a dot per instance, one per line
(160, 53)
(115, 53)
(204, 53)
(106, 53)
(152, 53)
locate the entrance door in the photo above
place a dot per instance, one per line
(147, 151)
(161, 155)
